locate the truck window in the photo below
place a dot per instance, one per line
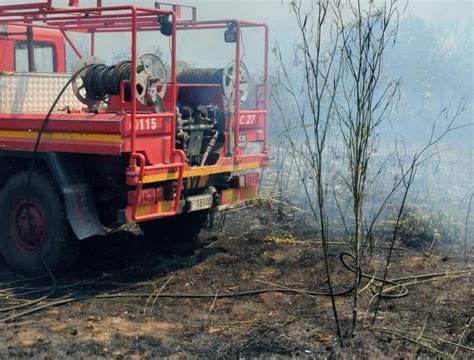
(44, 57)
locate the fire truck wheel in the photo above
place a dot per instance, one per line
(179, 233)
(43, 234)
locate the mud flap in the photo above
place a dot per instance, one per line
(81, 211)
(78, 199)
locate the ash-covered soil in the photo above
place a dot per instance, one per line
(254, 251)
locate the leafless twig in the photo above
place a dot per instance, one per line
(466, 328)
(412, 338)
(156, 293)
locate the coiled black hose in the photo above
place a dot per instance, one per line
(101, 80)
(201, 76)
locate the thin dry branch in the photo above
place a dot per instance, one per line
(320, 79)
(466, 328)
(155, 294)
(413, 340)
(466, 227)
(408, 177)
(426, 337)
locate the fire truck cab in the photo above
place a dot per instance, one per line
(48, 45)
(143, 141)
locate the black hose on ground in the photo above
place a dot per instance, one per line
(403, 290)
(246, 293)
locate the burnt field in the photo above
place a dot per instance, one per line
(120, 303)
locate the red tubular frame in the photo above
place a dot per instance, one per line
(133, 19)
(237, 94)
(134, 82)
(72, 44)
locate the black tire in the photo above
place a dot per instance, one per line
(179, 233)
(53, 238)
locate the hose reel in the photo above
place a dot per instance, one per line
(97, 82)
(226, 77)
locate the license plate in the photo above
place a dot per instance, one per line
(199, 202)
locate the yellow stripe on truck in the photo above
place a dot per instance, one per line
(209, 170)
(161, 207)
(61, 136)
(201, 172)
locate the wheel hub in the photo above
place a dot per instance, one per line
(29, 226)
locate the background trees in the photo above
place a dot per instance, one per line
(363, 104)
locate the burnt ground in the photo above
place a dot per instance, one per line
(253, 251)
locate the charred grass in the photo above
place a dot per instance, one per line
(253, 251)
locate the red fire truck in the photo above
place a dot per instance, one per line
(142, 141)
